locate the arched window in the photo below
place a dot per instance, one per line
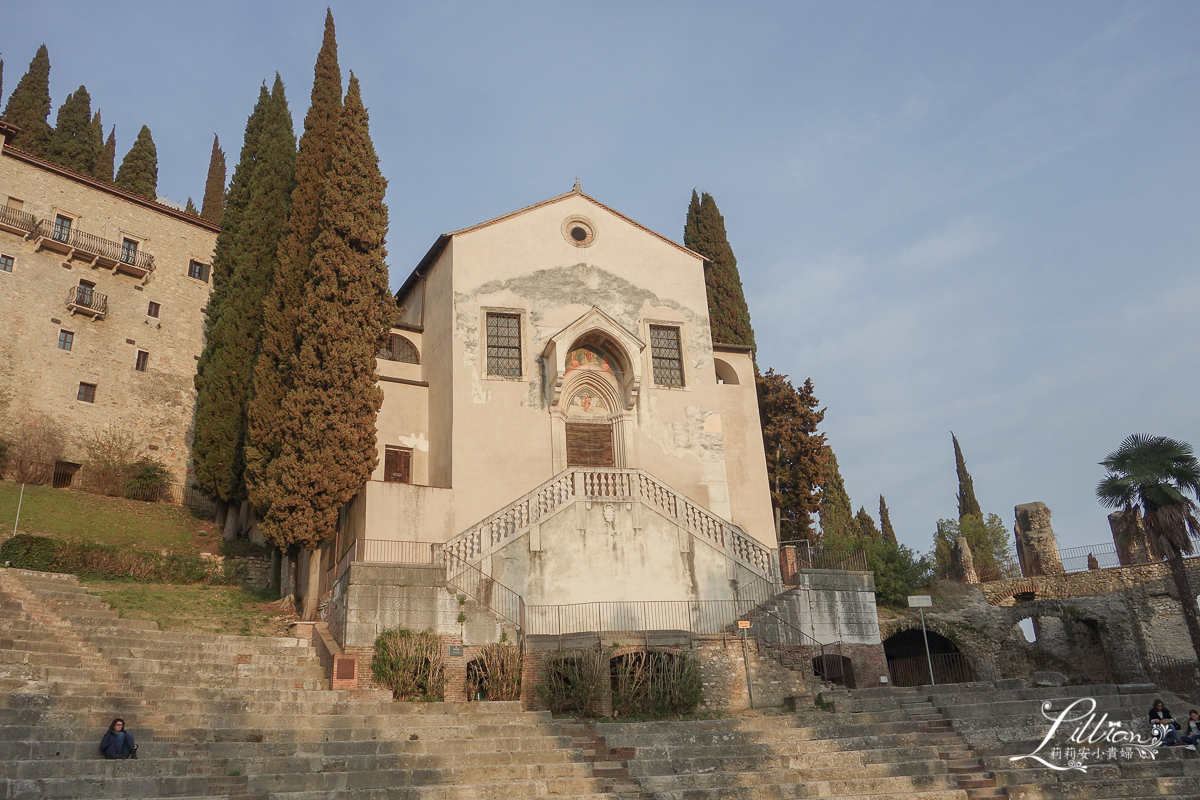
(725, 372)
(400, 349)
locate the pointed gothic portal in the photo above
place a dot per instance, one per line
(589, 445)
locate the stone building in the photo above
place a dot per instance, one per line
(102, 295)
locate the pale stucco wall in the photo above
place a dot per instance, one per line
(37, 378)
(438, 321)
(403, 419)
(745, 461)
(502, 432)
(419, 513)
(596, 552)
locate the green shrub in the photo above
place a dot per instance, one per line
(30, 552)
(410, 664)
(88, 560)
(148, 477)
(576, 680)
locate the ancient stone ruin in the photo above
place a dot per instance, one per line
(1037, 549)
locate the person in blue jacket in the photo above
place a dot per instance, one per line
(118, 742)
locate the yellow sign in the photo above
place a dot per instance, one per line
(743, 624)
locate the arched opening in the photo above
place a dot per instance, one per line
(1066, 643)
(399, 349)
(591, 409)
(725, 373)
(835, 669)
(908, 664)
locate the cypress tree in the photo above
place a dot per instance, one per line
(967, 504)
(248, 267)
(837, 515)
(217, 419)
(728, 313)
(327, 420)
(190, 208)
(139, 168)
(213, 204)
(280, 343)
(885, 523)
(107, 156)
(865, 526)
(29, 107)
(75, 143)
(796, 453)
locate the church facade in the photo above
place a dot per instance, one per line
(557, 417)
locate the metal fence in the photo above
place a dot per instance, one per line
(914, 670)
(1075, 559)
(107, 482)
(383, 551)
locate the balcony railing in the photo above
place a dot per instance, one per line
(109, 253)
(81, 300)
(17, 221)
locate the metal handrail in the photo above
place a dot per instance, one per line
(96, 245)
(486, 591)
(598, 483)
(77, 296)
(18, 219)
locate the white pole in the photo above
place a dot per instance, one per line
(18, 519)
(928, 657)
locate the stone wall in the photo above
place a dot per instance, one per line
(40, 379)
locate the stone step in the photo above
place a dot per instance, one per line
(423, 770)
(785, 793)
(898, 761)
(797, 786)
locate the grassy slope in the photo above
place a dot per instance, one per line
(212, 609)
(66, 514)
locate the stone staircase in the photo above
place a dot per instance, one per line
(241, 717)
(979, 727)
(811, 754)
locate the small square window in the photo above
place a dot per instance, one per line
(65, 340)
(129, 251)
(143, 358)
(152, 309)
(15, 204)
(87, 392)
(397, 464)
(6, 263)
(504, 345)
(198, 271)
(666, 354)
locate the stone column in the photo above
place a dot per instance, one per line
(1037, 549)
(1131, 548)
(963, 562)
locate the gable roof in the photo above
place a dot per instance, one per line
(440, 244)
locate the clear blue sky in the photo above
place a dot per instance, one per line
(978, 217)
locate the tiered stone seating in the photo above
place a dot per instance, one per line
(239, 717)
(879, 755)
(999, 720)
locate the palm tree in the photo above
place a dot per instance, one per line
(1148, 479)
